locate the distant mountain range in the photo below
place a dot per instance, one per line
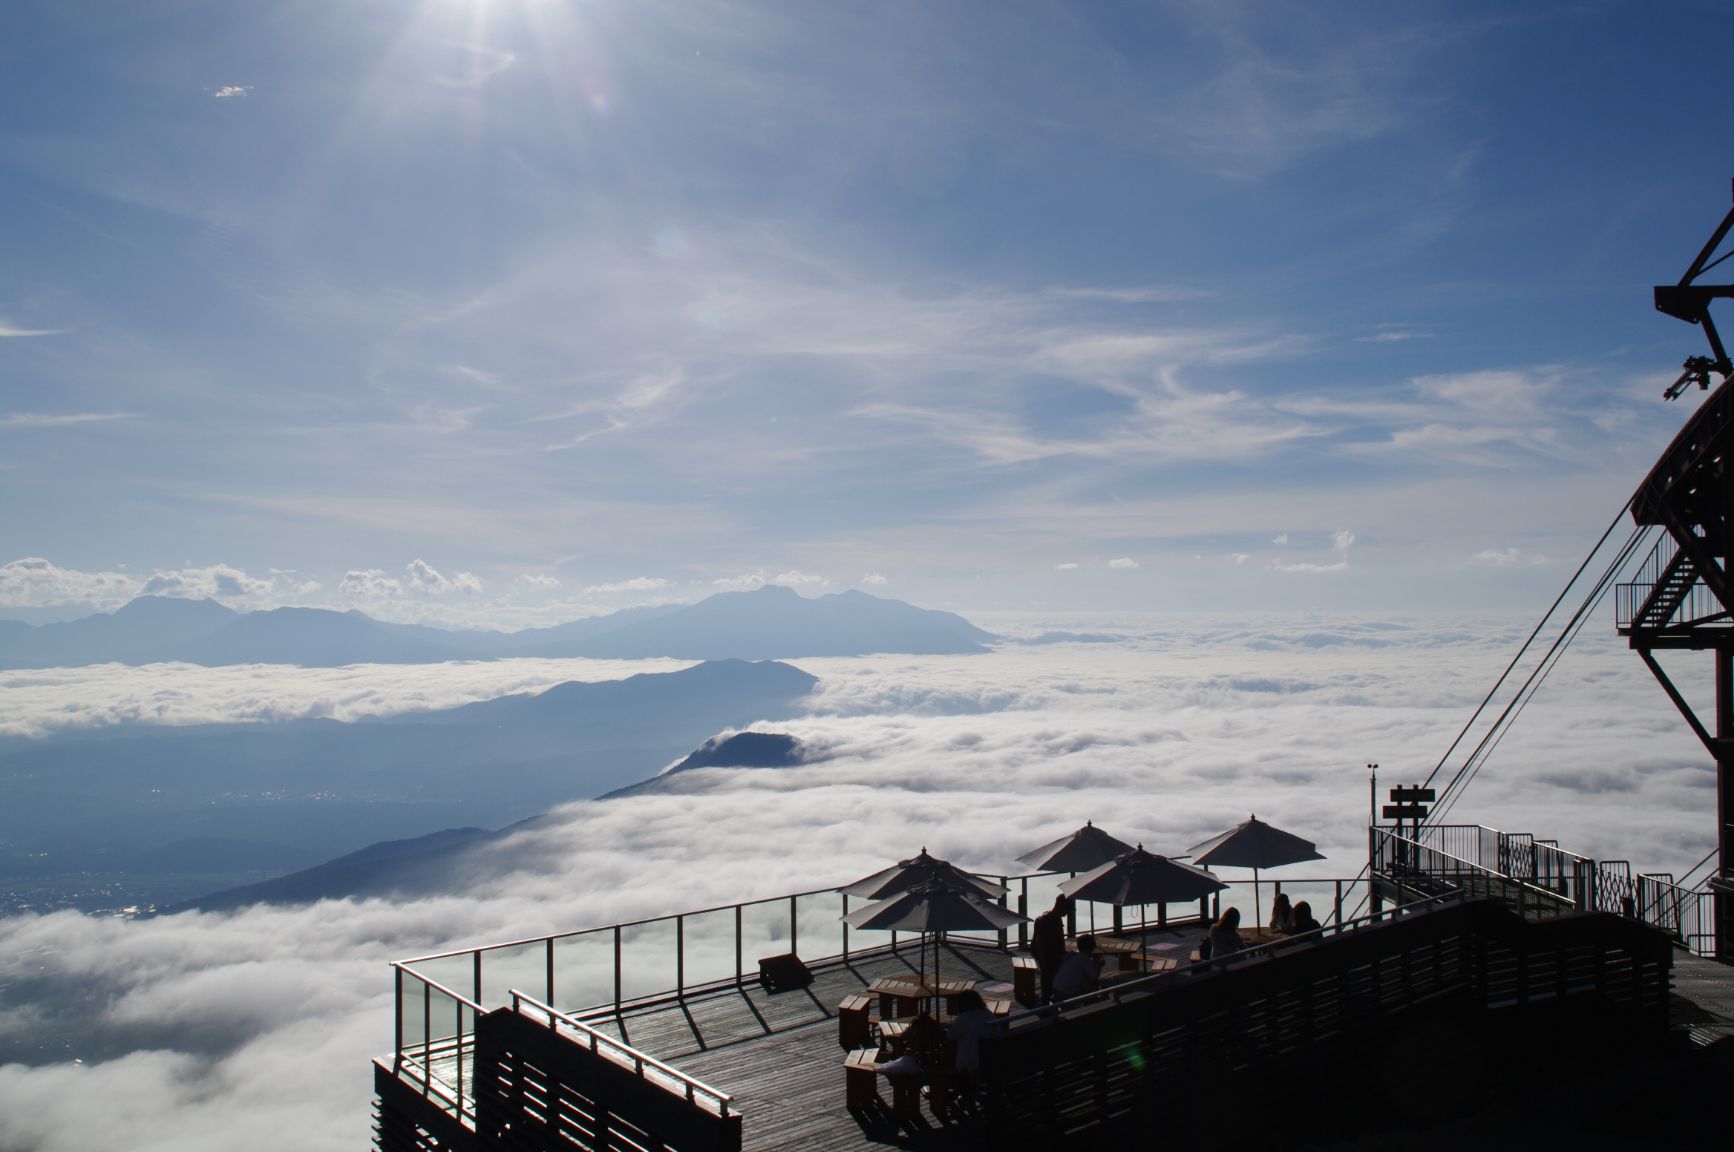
(770, 623)
(435, 862)
(147, 801)
(741, 750)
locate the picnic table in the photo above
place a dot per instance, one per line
(905, 996)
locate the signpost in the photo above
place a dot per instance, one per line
(1409, 803)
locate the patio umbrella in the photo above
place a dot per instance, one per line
(1254, 844)
(1140, 877)
(930, 908)
(919, 869)
(1089, 847)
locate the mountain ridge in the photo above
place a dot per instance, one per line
(768, 623)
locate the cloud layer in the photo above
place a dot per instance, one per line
(256, 1028)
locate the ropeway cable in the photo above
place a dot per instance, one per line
(1572, 627)
(1498, 734)
(1537, 676)
(1620, 560)
(1542, 623)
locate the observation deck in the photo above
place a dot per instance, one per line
(658, 1035)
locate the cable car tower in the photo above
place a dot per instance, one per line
(1683, 596)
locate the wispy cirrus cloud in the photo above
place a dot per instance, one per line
(17, 331)
(1508, 557)
(62, 419)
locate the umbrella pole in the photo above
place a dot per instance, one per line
(1257, 916)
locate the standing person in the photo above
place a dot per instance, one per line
(1078, 974)
(1048, 943)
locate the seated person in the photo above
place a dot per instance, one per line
(1224, 938)
(967, 1028)
(926, 1038)
(1281, 915)
(1078, 974)
(1303, 919)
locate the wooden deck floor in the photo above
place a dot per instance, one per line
(1703, 997)
(778, 1055)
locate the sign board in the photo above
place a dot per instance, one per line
(1404, 812)
(1411, 795)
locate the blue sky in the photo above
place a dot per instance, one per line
(510, 310)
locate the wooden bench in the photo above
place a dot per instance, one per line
(861, 1078)
(855, 1020)
(1025, 973)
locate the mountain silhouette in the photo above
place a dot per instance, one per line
(741, 750)
(134, 634)
(768, 624)
(133, 798)
(390, 868)
(435, 862)
(774, 622)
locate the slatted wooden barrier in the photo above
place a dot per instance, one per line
(538, 1088)
(1202, 1042)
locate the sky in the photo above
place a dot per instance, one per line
(508, 311)
(255, 1029)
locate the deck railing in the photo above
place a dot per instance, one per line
(435, 1043)
(640, 964)
(645, 1067)
(1289, 1032)
(1539, 873)
(1123, 988)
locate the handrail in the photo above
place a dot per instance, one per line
(620, 924)
(403, 965)
(1005, 879)
(1545, 869)
(1472, 866)
(639, 1060)
(1217, 963)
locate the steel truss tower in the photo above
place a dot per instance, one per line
(1683, 594)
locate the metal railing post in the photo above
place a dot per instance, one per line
(1023, 910)
(550, 980)
(794, 927)
(426, 1037)
(617, 969)
(680, 956)
(845, 929)
(459, 1005)
(397, 1018)
(1337, 905)
(739, 973)
(477, 954)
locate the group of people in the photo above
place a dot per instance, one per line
(947, 1073)
(1064, 975)
(1224, 938)
(1067, 974)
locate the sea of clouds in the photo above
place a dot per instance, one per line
(256, 1028)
